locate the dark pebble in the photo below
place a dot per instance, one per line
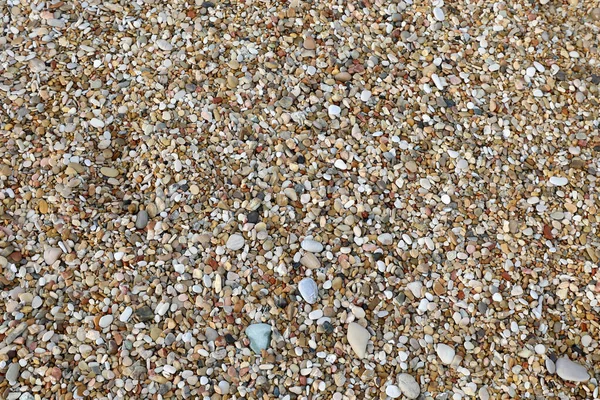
(229, 339)
(253, 217)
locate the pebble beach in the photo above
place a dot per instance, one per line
(299, 199)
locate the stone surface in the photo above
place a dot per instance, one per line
(445, 353)
(235, 242)
(308, 290)
(358, 338)
(571, 371)
(312, 245)
(408, 386)
(51, 255)
(259, 336)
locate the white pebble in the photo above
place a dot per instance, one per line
(445, 353)
(334, 111)
(558, 180)
(340, 164)
(105, 321)
(438, 13)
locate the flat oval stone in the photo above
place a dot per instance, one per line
(559, 181)
(571, 371)
(309, 290)
(235, 242)
(109, 172)
(312, 245)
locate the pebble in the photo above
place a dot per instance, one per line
(164, 45)
(340, 164)
(141, 220)
(408, 386)
(12, 373)
(343, 76)
(438, 13)
(559, 181)
(109, 172)
(105, 321)
(571, 371)
(312, 245)
(334, 111)
(310, 261)
(309, 290)
(259, 336)
(393, 391)
(358, 338)
(51, 255)
(445, 353)
(235, 242)
(386, 239)
(309, 43)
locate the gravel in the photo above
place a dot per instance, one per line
(170, 172)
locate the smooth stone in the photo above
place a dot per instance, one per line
(595, 13)
(312, 245)
(105, 321)
(164, 45)
(358, 337)
(96, 123)
(142, 219)
(483, 393)
(571, 371)
(309, 43)
(445, 353)
(36, 65)
(342, 76)
(550, 366)
(12, 373)
(51, 255)
(259, 336)
(309, 290)
(385, 239)
(235, 242)
(415, 288)
(310, 261)
(558, 181)
(126, 314)
(586, 340)
(334, 111)
(393, 391)
(340, 164)
(145, 314)
(438, 13)
(408, 385)
(109, 172)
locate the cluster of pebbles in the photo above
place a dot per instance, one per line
(299, 199)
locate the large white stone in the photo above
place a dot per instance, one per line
(415, 288)
(393, 391)
(445, 353)
(51, 254)
(235, 242)
(409, 386)
(558, 181)
(312, 245)
(308, 290)
(571, 371)
(385, 239)
(358, 337)
(259, 336)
